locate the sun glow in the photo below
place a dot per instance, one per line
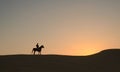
(85, 49)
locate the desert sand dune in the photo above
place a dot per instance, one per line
(105, 61)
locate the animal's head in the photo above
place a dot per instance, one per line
(42, 46)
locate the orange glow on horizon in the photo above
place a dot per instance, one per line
(85, 49)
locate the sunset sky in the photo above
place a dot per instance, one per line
(66, 27)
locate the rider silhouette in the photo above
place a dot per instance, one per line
(37, 45)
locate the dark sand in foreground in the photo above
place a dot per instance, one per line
(105, 61)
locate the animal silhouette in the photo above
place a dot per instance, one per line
(39, 49)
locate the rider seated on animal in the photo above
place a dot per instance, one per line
(37, 46)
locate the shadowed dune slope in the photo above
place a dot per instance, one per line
(104, 61)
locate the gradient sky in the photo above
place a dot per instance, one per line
(68, 27)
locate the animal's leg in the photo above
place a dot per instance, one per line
(34, 52)
(40, 52)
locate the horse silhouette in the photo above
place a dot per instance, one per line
(39, 49)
